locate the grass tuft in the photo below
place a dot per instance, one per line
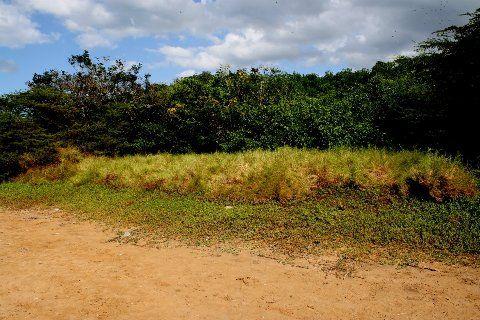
(260, 176)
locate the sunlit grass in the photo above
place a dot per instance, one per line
(291, 199)
(351, 219)
(257, 176)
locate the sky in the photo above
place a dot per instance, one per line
(176, 38)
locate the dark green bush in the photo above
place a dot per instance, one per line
(22, 145)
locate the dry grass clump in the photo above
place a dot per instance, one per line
(283, 175)
(66, 167)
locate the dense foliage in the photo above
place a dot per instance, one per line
(426, 101)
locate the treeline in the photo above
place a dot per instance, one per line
(424, 102)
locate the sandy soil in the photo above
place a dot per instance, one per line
(54, 267)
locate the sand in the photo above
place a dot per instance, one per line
(53, 266)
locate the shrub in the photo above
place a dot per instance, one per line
(23, 145)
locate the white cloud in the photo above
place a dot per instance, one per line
(16, 28)
(57, 7)
(242, 33)
(91, 40)
(8, 66)
(243, 49)
(190, 57)
(186, 73)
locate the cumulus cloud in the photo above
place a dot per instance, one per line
(247, 48)
(8, 66)
(91, 39)
(186, 73)
(17, 29)
(102, 23)
(242, 33)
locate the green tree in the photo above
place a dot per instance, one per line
(452, 58)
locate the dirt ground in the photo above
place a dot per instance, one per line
(55, 267)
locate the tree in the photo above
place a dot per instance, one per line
(452, 58)
(23, 144)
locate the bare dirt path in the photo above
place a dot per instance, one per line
(54, 267)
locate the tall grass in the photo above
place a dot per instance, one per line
(257, 176)
(350, 198)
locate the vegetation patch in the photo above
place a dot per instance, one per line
(353, 220)
(298, 161)
(283, 175)
(426, 102)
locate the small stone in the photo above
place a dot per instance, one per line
(228, 207)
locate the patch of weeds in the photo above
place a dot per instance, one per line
(365, 224)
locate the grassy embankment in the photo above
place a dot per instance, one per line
(294, 200)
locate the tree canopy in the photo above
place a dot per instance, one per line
(428, 101)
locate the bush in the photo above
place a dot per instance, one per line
(23, 145)
(415, 103)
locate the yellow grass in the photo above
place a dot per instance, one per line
(258, 176)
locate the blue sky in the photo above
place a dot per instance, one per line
(172, 38)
